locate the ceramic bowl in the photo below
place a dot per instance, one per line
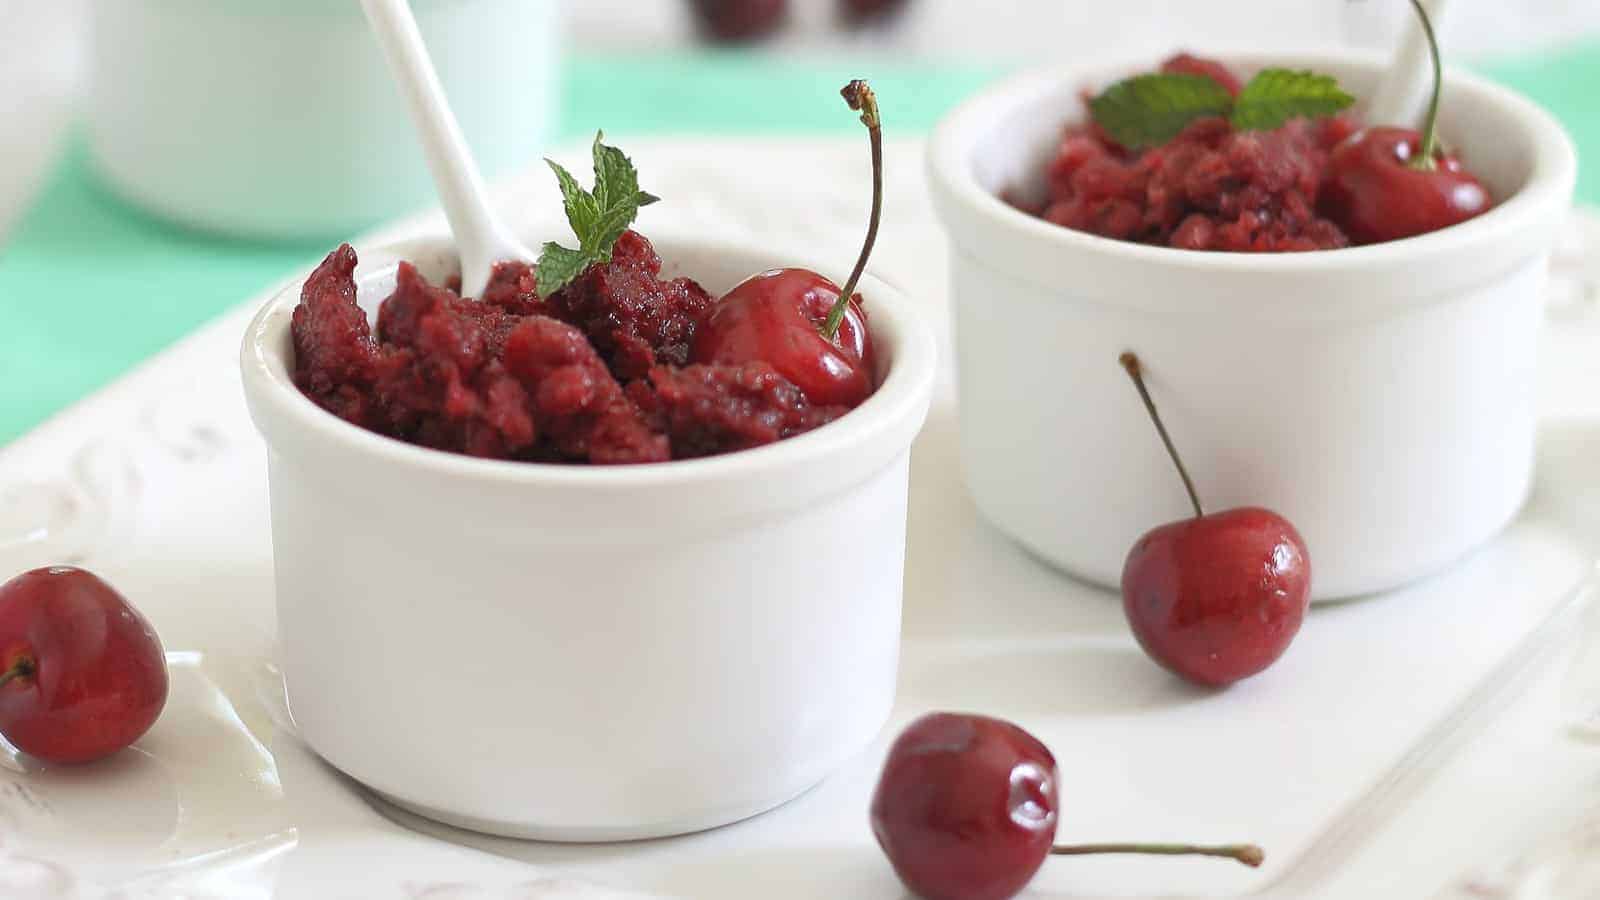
(1381, 397)
(281, 120)
(584, 653)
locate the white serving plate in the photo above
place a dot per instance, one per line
(1338, 761)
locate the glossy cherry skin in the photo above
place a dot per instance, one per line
(99, 676)
(1374, 196)
(966, 807)
(1218, 598)
(734, 21)
(775, 317)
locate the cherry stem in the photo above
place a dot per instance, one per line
(1136, 372)
(1424, 161)
(860, 97)
(1249, 854)
(22, 668)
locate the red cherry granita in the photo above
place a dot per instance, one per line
(598, 372)
(1210, 188)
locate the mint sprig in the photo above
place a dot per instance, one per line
(1147, 110)
(1152, 109)
(1275, 96)
(597, 217)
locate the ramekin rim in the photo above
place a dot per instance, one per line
(1552, 175)
(907, 385)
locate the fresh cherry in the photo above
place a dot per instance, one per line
(810, 330)
(82, 673)
(1386, 183)
(1375, 194)
(735, 21)
(966, 809)
(1215, 598)
(776, 316)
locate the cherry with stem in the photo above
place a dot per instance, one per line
(1217, 597)
(967, 808)
(1386, 183)
(807, 328)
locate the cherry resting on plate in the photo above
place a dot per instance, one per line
(84, 674)
(966, 809)
(1390, 183)
(1214, 598)
(806, 327)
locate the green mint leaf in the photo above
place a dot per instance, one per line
(1275, 96)
(557, 267)
(598, 218)
(614, 176)
(1148, 110)
(582, 210)
(610, 226)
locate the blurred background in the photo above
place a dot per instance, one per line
(163, 160)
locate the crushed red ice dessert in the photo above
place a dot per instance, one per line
(511, 376)
(1210, 188)
(634, 319)
(709, 408)
(1190, 157)
(590, 356)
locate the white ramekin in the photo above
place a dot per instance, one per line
(279, 119)
(590, 653)
(1382, 398)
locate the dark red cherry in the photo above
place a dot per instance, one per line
(82, 673)
(1375, 195)
(777, 316)
(966, 807)
(736, 21)
(800, 323)
(1384, 184)
(1218, 598)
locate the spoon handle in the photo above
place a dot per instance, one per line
(480, 239)
(1402, 96)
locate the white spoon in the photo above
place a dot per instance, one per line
(1402, 97)
(481, 239)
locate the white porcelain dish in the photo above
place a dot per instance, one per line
(1382, 397)
(586, 653)
(161, 475)
(279, 120)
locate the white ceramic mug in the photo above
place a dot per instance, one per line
(278, 119)
(1381, 397)
(590, 653)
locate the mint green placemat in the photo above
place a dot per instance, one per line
(90, 286)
